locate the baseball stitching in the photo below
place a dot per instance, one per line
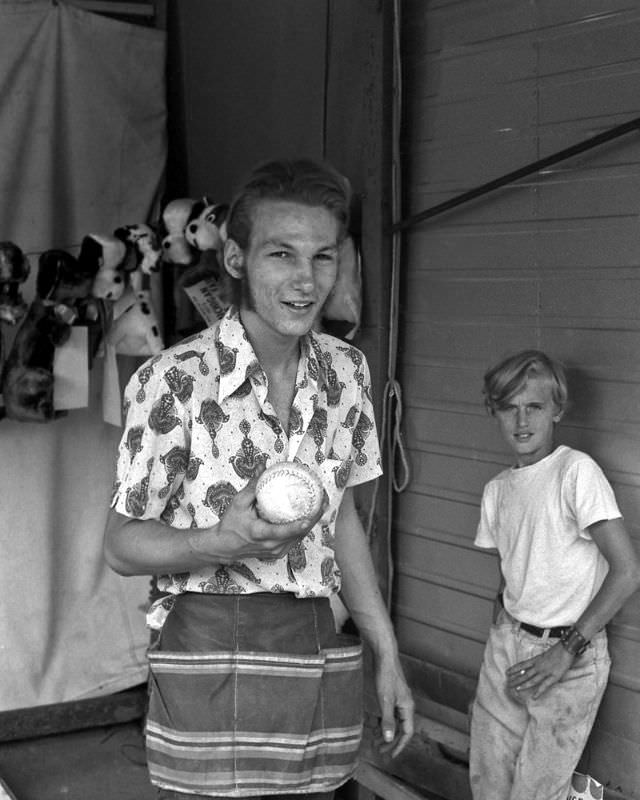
(298, 473)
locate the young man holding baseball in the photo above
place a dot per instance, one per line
(252, 692)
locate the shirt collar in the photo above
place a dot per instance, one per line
(239, 363)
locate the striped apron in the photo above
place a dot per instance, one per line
(253, 695)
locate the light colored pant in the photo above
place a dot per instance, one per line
(529, 750)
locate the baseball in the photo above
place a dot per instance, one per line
(288, 491)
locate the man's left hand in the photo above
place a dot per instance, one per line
(396, 707)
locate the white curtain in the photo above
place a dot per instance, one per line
(82, 150)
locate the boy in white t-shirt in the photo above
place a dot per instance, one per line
(568, 565)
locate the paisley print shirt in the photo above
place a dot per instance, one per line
(198, 424)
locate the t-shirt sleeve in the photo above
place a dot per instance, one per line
(590, 494)
(153, 450)
(486, 526)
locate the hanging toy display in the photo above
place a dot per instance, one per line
(105, 256)
(175, 247)
(14, 271)
(62, 299)
(202, 282)
(111, 288)
(145, 241)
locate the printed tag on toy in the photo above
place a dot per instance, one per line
(206, 296)
(584, 787)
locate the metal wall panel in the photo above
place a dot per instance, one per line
(550, 262)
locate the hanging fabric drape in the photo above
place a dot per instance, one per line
(82, 150)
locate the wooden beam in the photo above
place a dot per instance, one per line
(384, 785)
(116, 8)
(113, 709)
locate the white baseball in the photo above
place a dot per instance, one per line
(288, 491)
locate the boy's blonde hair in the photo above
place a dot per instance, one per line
(508, 377)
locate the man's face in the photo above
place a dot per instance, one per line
(527, 421)
(289, 266)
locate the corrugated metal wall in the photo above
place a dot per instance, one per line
(551, 262)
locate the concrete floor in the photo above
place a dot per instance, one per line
(105, 763)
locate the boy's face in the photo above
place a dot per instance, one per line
(527, 421)
(289, 266)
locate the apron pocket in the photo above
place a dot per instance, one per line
(247, 723)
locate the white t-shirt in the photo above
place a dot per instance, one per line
(537, 516)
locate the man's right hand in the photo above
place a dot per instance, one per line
(241, 533)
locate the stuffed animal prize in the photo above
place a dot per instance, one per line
(62, 298)
(14, 270)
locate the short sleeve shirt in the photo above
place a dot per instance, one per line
(198, 425)
(538, 517)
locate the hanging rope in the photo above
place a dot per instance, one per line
(391, 434)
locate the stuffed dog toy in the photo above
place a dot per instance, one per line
(14, 270)
(143, 238)
(62, 292)
(105, 257)
(206, 226)
(205, 232)
(175, 247)
(135, 328)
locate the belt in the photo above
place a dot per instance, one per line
(549, 633)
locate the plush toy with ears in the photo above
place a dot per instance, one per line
(62, 289)
(135, 329)
(206, 232)
(14, 270)
(206, 226)
(198, 295)
(105, 257)
(143, 238)
(175, 247)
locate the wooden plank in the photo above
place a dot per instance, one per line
(565, 50)
(462, 162)
(113, 7)
(440, 693)
(470, 117)
(422, 766)
(384, 785)
(438, 646)
(26, 723)
(464, 297)
(515, 247)
(465, 615)
(581, 98)
(443, 520)
(576, 12)
(462, 569)
(433, 471)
